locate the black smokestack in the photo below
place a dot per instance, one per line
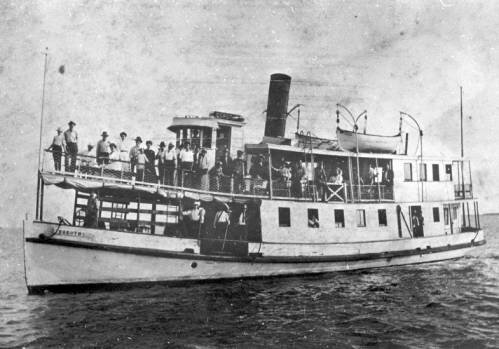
(277, 107)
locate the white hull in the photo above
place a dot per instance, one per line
(52, 264)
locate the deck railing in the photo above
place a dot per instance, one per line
(126, 172)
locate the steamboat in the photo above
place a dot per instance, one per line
(299, 205)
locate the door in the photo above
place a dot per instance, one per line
(417, 221)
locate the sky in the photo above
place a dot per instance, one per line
(134, 65)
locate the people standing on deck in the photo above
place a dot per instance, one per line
(186, 160)
(338, 178)
(417, 224)
(57, 147)
(203, 170)
(297, 174)
(87, 158)
(216, 174)
(195, 220)
(141, 164)
(259, 173)
(71, 139)
(92, 211)
(226, 162)
(114, 160)
(150, 174)
(321, 181)
(160, 156)
(123, 147)
(221, 222)
(388, 176)
(238, 171)
(241, 227)
(373, 174)
(103, 149)
(170, 159)
(134, 153)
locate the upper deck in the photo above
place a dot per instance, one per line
(276, 171)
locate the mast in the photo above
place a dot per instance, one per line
(462, 143)
(43, 107)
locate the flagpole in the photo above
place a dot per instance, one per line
(43, 107)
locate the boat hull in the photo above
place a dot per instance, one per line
(65, 264)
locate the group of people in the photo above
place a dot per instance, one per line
(170, 165)
(294, 177)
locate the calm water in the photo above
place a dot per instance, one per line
(441, 305)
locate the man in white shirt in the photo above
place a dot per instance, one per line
(134, 153)
(170, 162)
(186, 160)
(123, 147)
(195, 219)
(57, 146)
(221, 222)
(71, 138)
(103, 149)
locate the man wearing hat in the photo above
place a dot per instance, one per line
(161, 162)
(238, 171)
(58, 144)
(170, 157)
(150, 168)
(195, 219)
(123, 148)
(103, 149)
(134, 153)
(71, 139)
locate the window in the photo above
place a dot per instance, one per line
(284, 217)
(408, 171)
(436, 173)
(361, 218)
(339, 218)
(382, 218)
(423, 172)
(313, 218)
(436, 214)
(448, 172)
(454, 212)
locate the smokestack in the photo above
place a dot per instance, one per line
(277, 105)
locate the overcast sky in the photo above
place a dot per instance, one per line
(134, 65)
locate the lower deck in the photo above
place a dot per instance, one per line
(68, 257)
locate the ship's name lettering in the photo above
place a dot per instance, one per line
(78, 234)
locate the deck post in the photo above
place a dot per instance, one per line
(270, 172)
(378, 181)
(350, 175)
(37, 212)
(468, 210)
(42, 193)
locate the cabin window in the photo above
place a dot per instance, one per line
(313, 218)
(361, 218)
(408, 171)
(448, 172)
(436, 214)
(339, 218)
(382, 218)
(284, 217)
(423, 172)
(446, 215)
(436, 173)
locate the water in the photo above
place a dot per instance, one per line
(441, 305)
